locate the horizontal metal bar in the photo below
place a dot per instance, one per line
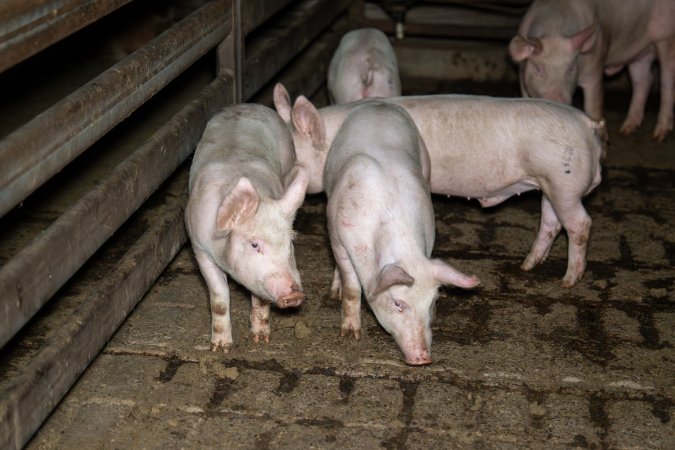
(255, 12)
(39, 149)
(29, 279)
(28, 26)
(27, 400)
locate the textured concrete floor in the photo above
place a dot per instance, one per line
(518, 362)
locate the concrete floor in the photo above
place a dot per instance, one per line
(518, 362)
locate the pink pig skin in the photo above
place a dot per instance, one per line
(381, 225)
(562, 44)
(485, 148)
(244, 191)
(364, 65)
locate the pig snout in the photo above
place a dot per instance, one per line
(292, 299)
(419, 358)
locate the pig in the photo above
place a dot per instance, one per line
(485, 148)
(564, 44)
(381, 227)
(244, 190)
(364, 65)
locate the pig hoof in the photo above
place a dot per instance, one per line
(347, 331)
(570, 281)
(261, 336)
(216, 346)
(629, 128)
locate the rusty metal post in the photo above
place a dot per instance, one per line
(39, 149)
(30, 396)
(231, 52)
(31, 277)
(28, 26)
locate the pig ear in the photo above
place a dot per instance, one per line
(584, 40)
(308, 121)
(390, 275)
(238, 206)
(522, 48)
(446, 274)
(282, 102)
(297, 188)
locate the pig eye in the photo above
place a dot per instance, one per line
(255, 245)
(400, 306)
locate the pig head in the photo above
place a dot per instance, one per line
(404, 305)
(562, 44)
(254, 240)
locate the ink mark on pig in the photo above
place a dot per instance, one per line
(567, 159)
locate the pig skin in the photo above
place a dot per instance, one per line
(244, 191)
(485, 148)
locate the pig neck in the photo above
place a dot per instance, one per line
(333, 117)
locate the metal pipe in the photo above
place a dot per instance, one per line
(28, 26)
(265, 56)
(35, 152)
(29, 279)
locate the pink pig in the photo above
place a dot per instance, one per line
(244, 191)
(381, 225)
(562, 44)
(364, 65)
(485, 148)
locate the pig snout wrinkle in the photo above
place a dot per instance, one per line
(291, 300)
(421, 359)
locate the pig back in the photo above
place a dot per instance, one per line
(479, 145)
(383, 132)
(246, 140)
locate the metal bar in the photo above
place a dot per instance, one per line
(230, 52)
(28, 26)
(29, 279)
(39, 149)
(265, 56)
(255, 12)
(307, 73)
(32, 394)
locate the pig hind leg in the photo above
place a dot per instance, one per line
(349, 289)
(260, 319)
(577, 224)
(641, 80)
(664, 121)
(549, 227)
(219, 294)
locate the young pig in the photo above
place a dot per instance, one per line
(364, 65)
(485, 148)
(244, 192)
(381, 226)
(564, 44)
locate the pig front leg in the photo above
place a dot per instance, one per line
(549, 227)
(260, 319)
(219, 295)
(346, 285)
(641, 79)
(664, 121)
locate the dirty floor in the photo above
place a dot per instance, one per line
(518, 362)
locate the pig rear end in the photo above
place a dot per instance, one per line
(364, 65)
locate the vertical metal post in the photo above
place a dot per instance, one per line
(231, 53)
